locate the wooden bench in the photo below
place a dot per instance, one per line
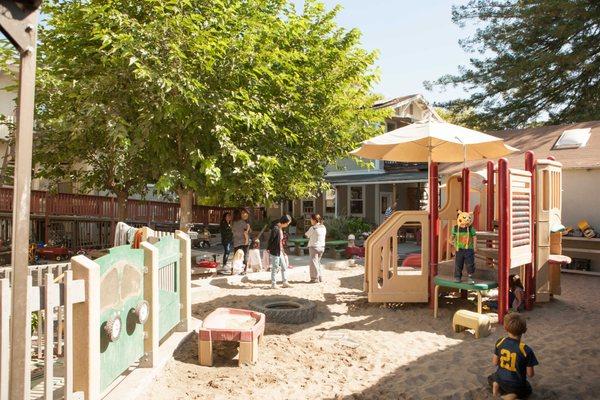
(476, 287)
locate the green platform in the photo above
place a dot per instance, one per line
(478, 285)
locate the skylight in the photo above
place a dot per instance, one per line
(572, 139)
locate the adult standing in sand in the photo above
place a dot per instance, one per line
(241, 233)
(226, 236)
(276, 251)
(316, 246)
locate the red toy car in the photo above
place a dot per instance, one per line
(53, 253)
(206, 266)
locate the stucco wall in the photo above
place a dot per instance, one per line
(581, 197)
(7, 98)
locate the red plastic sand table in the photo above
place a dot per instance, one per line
(231, 325)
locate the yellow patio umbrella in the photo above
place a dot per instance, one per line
(433, 141)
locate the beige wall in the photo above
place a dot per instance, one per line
(581, 197)
(7, 98)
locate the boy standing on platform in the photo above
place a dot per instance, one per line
(463, 240)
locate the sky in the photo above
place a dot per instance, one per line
(417, 41)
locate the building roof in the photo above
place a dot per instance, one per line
(541, 140)
(403, 107)
(389, 177)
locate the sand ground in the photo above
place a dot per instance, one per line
(358, 350)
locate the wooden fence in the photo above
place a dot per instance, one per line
(84, 221)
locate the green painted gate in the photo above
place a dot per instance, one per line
(168, 284)
(121, 291)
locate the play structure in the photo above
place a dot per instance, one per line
(515, 212)
(102, 317)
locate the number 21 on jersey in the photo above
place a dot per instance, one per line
(508, 360)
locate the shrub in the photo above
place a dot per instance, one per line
(340, 228)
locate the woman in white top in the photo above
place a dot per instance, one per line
(316, 246)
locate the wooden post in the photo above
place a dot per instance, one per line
(394, 193)
(151, 332)
(503, 239)
(49, 337)
(490, 197)
(185, 281)
(47, 216)
(68, 346)
(530, 270)
(111, 238)
(4, 337)
(86, 322)
(19, 25)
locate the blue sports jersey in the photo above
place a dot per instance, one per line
(513, 359)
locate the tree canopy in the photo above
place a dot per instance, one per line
(533, 62)
(242, 101)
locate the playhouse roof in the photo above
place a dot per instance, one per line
(542, 141)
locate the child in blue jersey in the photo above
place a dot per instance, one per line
(515, 361)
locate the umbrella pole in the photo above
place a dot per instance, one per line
(433, 226)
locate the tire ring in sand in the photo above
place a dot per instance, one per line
(285, 310)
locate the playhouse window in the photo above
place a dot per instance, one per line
(572, 139)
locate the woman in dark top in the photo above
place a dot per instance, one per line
(226, 236)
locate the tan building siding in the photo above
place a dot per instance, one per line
(342, 200)
(370, 204)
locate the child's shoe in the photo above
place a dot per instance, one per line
(286, 285)
(470, 280)
(457, 279)
(273, 286)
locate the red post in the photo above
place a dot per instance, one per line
(489, 216)
(466, 189)
(434, 229)
(504, 243)
(530, 269)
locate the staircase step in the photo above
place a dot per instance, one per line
(487, 252)
(487, 235)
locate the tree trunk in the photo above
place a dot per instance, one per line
(185, 207)
(121, 206)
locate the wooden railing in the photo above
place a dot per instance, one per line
(101, 207)
(385, 280)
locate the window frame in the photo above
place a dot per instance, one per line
(350, 200)
(302, 206)
(325, 213)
